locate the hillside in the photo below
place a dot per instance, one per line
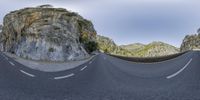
(133, 47)
(107, 45)
(153, 49)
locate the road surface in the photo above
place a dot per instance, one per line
(104, 78)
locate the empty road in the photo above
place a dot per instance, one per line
(104, 78)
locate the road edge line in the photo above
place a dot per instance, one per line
(175, 74)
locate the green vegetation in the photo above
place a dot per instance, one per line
(107, 45)
(51, 49)
(84, 38)
(89, 45)
(153, 49)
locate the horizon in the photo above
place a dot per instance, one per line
(129, 21)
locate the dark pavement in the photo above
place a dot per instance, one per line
(104, 78)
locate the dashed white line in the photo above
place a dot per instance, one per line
(26, 73)
(83, 68)
(11, 63)
(104, 58)
(66, 76)
(173, 75)
(90, 62)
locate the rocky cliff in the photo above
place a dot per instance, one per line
(153, 49)
(1, 26)
(46, 33)
(190, 42)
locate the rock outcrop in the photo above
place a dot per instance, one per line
(1, 26)
(190, 42)
(46, 33)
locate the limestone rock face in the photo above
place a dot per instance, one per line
(190, 42)
(1, 28)
(45, 33)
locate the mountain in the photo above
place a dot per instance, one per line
(107, 45)
(153, 49)
(133, 47)
(47, 33)
(190, 42)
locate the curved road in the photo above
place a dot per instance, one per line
(104, 78)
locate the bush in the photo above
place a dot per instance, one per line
(84, 38)
(91, 46)
(51, 49)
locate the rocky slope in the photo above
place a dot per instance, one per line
(107, 45)
(153, 49)
(133, 47)
(1, 26)
(190, 42)
(46, 33)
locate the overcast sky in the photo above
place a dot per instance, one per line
(129, 21)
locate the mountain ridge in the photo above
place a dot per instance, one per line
(153, 49)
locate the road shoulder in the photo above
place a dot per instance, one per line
(48, 66)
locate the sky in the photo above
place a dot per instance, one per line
(128, 21)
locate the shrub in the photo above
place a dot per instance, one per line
(91, 46)
(51, 49)
(84, 38)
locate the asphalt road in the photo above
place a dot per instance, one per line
(104, 78)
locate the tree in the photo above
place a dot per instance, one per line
(45, 6)
(198, 31)
(91, 46)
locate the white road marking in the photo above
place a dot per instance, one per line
(104, 58)
(173, 75)
(90, 62)
(11, 63)
(83, 68)
(66, 76)
(26, 73)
